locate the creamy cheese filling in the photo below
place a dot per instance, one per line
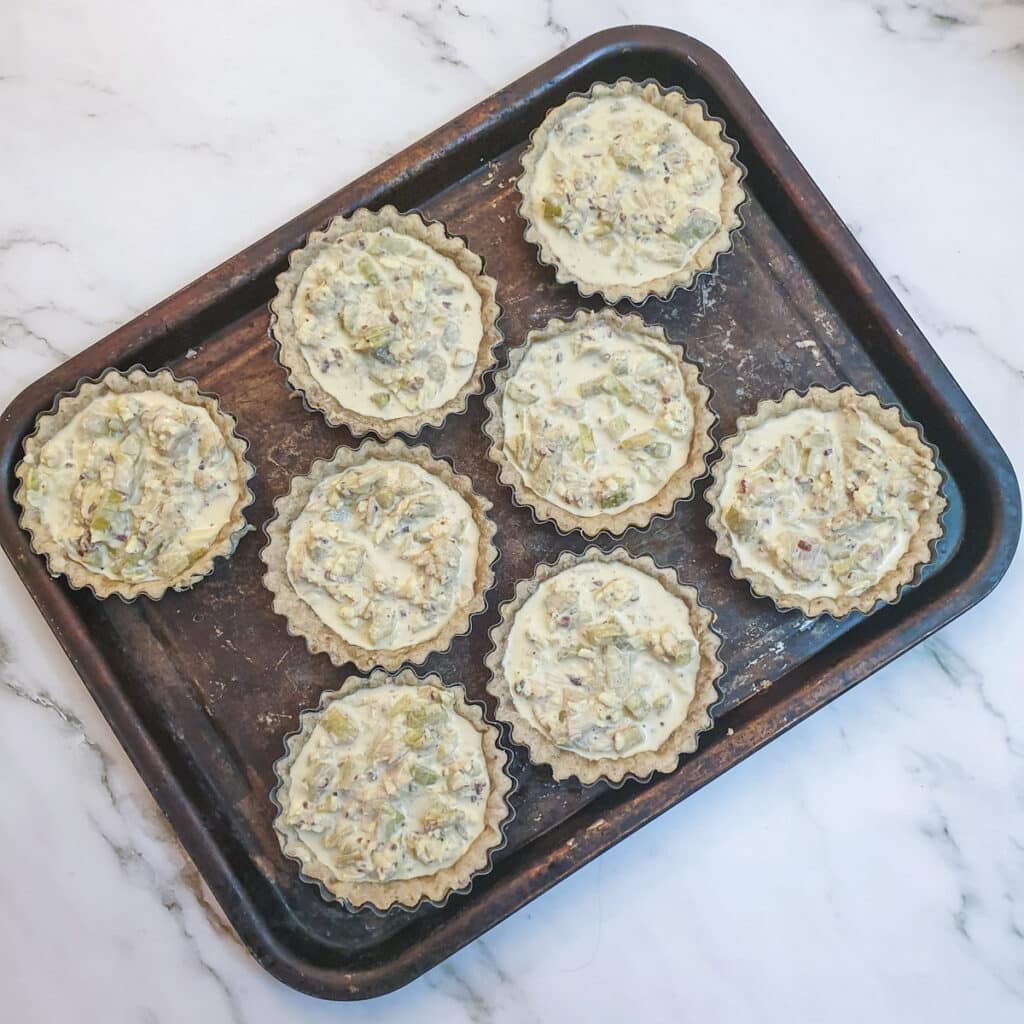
(384, 553)
(135, 487)
(387, 325)
(602, 660)
(623, 193)
(391, 784)
(597, 419)
(824, 503)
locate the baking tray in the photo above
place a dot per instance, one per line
(201, 687)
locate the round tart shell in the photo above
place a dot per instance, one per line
(678, 487)
(66, 406)
(615, 770)
(303, 621)
(291, 358)
(710, 131)
(406, 894)
(919, 552)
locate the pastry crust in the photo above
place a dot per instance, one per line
(405, 893)
(291, 358)
(693, 114)
(920, 550)
(66, 406)
(303, 621)
(678, 486)
(640, 766)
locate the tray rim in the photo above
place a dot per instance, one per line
(753, 724)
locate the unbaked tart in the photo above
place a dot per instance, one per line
(605, 666)
(384, 322)
(827, 501)
(630, 191)
(599, 423)
(134, 484)
(393, 791)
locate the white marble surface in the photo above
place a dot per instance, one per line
(870, 864)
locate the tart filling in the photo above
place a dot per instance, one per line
(827, 501)
(135, 487)
(387, 325)
(384, 553)
(596, 418)
(624, 193)
(602, 660)
(390, 784)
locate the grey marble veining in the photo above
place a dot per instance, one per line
(870, 864)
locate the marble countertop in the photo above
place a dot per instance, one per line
(873, 858)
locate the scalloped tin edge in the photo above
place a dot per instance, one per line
(236, 535)
(490, 406)
(397, 909)
(712, 708)
(485, 595)
(562, 278)
(919, 570)
(384, 435)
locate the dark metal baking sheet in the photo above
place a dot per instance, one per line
(201, 687)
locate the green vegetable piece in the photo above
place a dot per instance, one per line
(114, 498)
(695, 229)
(587, 446)
(520, 394)
(417, 739)
(32, 479)
(613, 386)
(620, 496)
(617, 427)
(637, 705)
(640, 440)
(99, 523)
(380, 399)
(367, 269)
(391, 820)
(658, 450)
(552, 208)
(514, 446)
(590, 388)
(627, 738)
(424, 714)
(439, 816)
(384, 496)
(544, 474)
(743, 527)
(604, 632)
(340, 727)
(423, 776)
